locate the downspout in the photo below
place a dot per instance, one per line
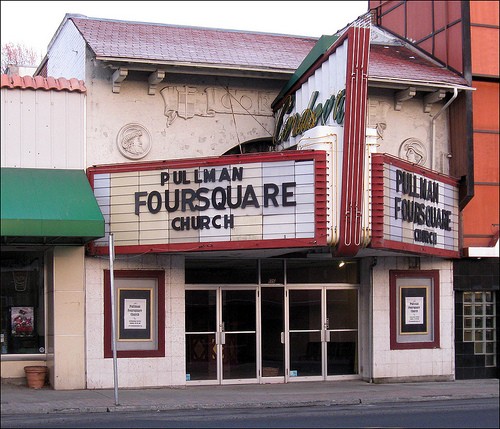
(433, 127)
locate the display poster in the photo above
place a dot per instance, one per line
(134, 314)
(22, 321)
(414, 309)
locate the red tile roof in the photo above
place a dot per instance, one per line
(192, 45)
(399, 62)
(44, 83)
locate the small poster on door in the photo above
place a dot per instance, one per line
(22, 321)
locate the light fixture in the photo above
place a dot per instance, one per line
(341, 264)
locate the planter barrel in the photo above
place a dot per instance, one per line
(36, 376)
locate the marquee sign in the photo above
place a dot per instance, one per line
(414, 209)
(232, 202)
(334, 91)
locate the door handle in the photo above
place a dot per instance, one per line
(223, 338)
(282, 338)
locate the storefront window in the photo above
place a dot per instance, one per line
(22, 296)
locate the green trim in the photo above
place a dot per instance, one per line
(49, 206)
(321, 46)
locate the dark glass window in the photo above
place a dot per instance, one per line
(328, 271)
(272, 271)
(221, 271)
(22, 300)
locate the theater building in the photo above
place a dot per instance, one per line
(278, 212)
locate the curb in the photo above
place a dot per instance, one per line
(237, 405)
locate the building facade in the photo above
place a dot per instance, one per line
(48, 214)
(464, 36)
(276, 218)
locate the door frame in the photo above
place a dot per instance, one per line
(280, 379)
(324, 333)
(286, 378)
(219, 380)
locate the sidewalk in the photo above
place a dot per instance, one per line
(23, 400)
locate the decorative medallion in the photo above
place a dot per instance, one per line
(134, 141)
(413, 150)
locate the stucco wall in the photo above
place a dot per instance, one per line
(133, 372)
(400, 131)
(67, 324)
(187, 117)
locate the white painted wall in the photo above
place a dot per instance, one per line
(42, 129)
(67, 54)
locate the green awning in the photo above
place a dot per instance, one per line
(321, 46)
(42, 206)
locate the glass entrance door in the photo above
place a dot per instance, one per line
(272, 304)
(322, 332)
(341, 334)
(221, 335)
(201, 335)
(238, 334)
(305, 333)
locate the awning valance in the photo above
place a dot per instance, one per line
(42, 206)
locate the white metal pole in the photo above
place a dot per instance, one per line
(113, 312)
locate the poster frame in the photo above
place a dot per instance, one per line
(421, 293)
(424, 284)
(138, 294)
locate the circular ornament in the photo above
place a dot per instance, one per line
(413, 150)
(133, 141)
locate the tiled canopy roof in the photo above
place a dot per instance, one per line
(192, 45)
(44, 83)
(399, 62)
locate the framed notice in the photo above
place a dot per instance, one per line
(140, 313)
(414, 309)
(135, 314)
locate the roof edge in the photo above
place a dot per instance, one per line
(157, 63)
(226, 30)
(43, 83)
(416, 82)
